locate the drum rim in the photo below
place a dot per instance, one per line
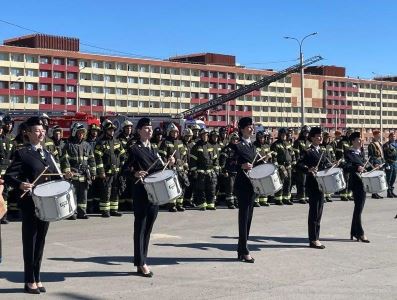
(58, 195)
(168, 177)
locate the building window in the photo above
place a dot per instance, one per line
(72, 62)
(58, 88)
(44, 60)
(72, 76)
(70, 101)
(57, 74)
(71, 89)
(30, 86)
(84, 102)
(44, 74)
(58, 61)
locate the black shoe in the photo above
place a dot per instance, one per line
(376, 196)
(302, 201)
(31, 291)
(395, 217)
(116, 214)
(82, 216)
(149, 275)
(180, 208)
(360, 239)
(42, 289)
(211, 207)
(288, 202)
(4, 221)
(390, 195)
(257, 204)
(350, 198)
(328, 199)
(311, 245)
(231, 206)
(243, 259)
(394, 195)
(172, 209)
(344, 199)
(279, 203)
(73, 217)
(265, 204)
(188, 204)
(106, 214)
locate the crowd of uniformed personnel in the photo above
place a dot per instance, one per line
(204, 162)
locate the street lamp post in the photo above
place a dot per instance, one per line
(300, 42)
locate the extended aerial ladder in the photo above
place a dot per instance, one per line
(201, 108)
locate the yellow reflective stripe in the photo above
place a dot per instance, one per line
(200, 149)
(193, 156)
(98, 152)
(99, 166)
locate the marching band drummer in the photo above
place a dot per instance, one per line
(141, 157)
(314, 160)
(29, 162)
(245, 152)
(355, 164)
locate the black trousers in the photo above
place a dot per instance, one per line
(245, 211)
(145, 214)
(34, 232)
(316, 204)
(81, 190)
(359, 196)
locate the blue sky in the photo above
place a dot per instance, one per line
(359, 35)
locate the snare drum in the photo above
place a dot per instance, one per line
(54, 200)
(162, 187)
(265, 179)
(374, 182)
(331, 181)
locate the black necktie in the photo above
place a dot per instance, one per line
(41, 152)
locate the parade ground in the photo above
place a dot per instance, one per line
(193, 256)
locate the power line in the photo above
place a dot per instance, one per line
(86, 44)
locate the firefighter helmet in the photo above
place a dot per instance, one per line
(187, 132)
(127, 123)
(76, 127)
(171, 127)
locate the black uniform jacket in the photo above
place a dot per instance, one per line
(310, 159)
(140, 158)
(353, 161)
(245, 152)
(26, 167)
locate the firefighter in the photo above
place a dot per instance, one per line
(8, 127)
(228, 165)
(284, 158)
(172, 146)
(342, 146)
(195, 129)
(202, 159)
(157, 137)
(222, 137)
(390, 154)
(126, 134)
(21, 138)
(263, 149)
(375, 155)
(125, 193)
(188, 195)
(93, 190)
(79, 159)
(214, 141)
(328, 150)
(6, 151)
(300, 146)
(48, 143)
(57, 138)
(337, 138)
(109, 157)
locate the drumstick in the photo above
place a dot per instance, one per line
(334, 165)
(378, 167)
(54, 174)
(151, 166)
(257, 153)
(263, 157)
(168, 162)
(38, 177)
(322, 153)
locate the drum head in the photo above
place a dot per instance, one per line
(52, 188)
(373, 174)
(262, 171)
(159, 176)
(328, 172)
